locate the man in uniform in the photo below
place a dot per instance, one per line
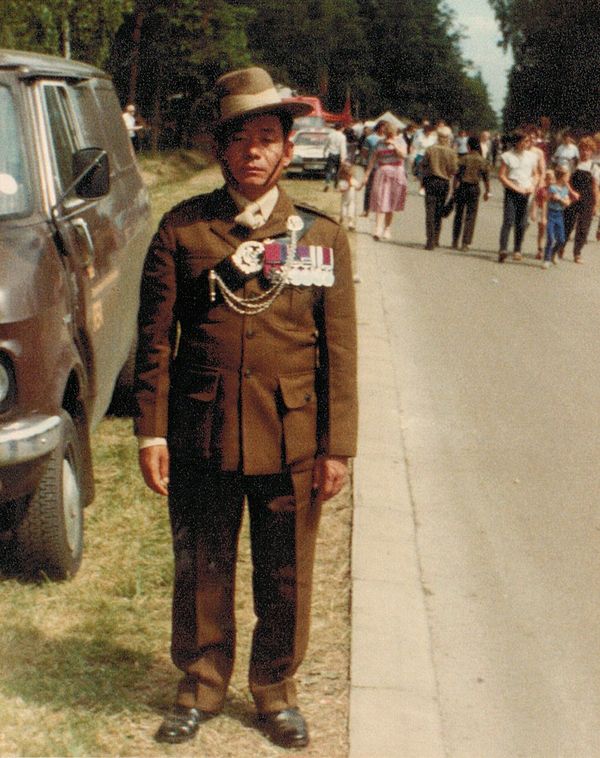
(246, 390)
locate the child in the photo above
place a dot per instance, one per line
(559, 197)
(347, 185)
(539, 209)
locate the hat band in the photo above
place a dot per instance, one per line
(233, 105)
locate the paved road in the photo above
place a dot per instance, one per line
(496, 373)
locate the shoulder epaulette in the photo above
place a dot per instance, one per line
(311, 210)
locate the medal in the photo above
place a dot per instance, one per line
(316, 254)
(248, 257)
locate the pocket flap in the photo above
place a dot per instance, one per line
(297, 389)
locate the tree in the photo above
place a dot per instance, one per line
(556, 60)
(81, 29)
(167, 56)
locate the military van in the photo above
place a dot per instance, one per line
(74, 227)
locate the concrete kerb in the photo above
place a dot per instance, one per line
(393, 701)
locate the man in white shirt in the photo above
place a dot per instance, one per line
(132, 126)
(336, 151)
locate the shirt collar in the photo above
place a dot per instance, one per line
(266, 202)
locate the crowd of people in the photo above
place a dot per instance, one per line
(552, 182)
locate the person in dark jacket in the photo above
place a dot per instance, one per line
(246, 391)
(472, 170)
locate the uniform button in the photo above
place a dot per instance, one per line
(308, 397)
(250, 333)
(247, 373)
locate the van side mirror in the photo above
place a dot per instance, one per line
(90, 167)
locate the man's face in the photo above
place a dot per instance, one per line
(255, 156)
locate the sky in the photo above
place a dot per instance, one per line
(480, 46)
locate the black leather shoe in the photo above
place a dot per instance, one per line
(181, 724)
(285, 728)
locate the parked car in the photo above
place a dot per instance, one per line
(309, 152)
(74, 228)
(308, 122)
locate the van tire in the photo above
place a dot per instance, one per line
(50, 536)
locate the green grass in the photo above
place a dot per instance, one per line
(84, 665)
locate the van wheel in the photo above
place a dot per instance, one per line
(50, 535)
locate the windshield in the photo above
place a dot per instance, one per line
(14, 190)
(308, 122)
(311, 138)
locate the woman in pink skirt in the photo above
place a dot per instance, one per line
(388, 193)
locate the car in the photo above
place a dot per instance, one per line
(309, 152)
(74, 228)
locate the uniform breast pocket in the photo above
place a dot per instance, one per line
(294, 308)
(299, 416)
(194, 415)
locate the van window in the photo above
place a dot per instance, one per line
(14, 183)
(89, 119)
(62, 136)
(100, 121)
(118, 139)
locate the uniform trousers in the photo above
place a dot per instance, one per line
(206, 508)
(466, 203)
(436, 191)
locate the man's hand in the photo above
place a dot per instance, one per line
(329, 476)
(154, 465)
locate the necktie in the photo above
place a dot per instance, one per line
(251, 216)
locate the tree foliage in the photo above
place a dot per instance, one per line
(556, 61)
(166, 54)
(82, 29)
(180, 49)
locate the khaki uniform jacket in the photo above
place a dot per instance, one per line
(250, 393)
(440, 161)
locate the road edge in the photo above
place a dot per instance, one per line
(394, 706)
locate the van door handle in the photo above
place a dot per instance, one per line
(83, 230)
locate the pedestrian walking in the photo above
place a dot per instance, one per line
(585, 181)
(567, 153)
(485, 145)
(245, 390)
(439, 166)
(369, 146)
(425, 137)
(388, 193)
(336, 151)
(472, 170)
(519, 176)
(558, 200)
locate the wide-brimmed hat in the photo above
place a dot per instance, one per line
(250, 91)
